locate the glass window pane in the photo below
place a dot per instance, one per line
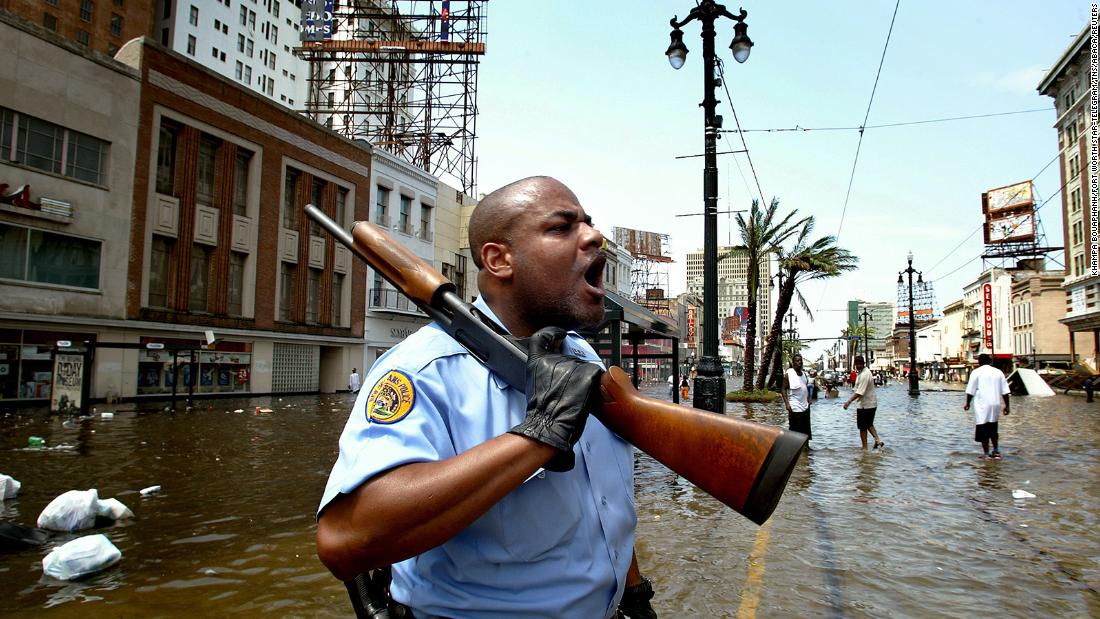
(13, 252)
(158, 271)
(200, 277)
(286, 292)
(240, 182)
(65, 260)
(204, 184)
(39, 144)
(236, 283)
(85, 158)
(341, 206)
(6, 133)
(290, 200)
(337, 298)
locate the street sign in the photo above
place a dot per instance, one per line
(155, 346)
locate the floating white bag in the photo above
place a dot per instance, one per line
(113, 509)
(9, 487)
(72, 511)
(81, 557)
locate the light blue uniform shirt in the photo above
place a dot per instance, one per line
(557, 546)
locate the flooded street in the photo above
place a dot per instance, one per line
(923, 528)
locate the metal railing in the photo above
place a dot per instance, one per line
(387, 299)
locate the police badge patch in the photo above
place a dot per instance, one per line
(391, 398)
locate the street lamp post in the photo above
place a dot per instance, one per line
(866, 337)
(914, 384)
(710, 386)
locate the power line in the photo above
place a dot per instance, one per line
(800, 129)
(866, 115)
(729, 99)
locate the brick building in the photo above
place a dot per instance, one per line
(100, 25)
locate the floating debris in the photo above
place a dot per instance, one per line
(1022, 494)
(81, 557)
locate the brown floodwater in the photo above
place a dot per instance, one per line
(921, 529)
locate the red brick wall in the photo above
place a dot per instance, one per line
(137, 19)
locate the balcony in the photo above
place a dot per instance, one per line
(389, 300)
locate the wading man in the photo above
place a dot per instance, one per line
(864, 391)
(490, 502)
(987, 388)
(796, 397)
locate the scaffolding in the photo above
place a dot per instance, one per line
(648, 270)
(402, 75)
(924, 303)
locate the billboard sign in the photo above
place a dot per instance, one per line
(317, 20)
(68, 379)
(649, 245)
(1009, 214)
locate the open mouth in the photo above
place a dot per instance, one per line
(594, 274)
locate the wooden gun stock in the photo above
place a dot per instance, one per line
(742, 464)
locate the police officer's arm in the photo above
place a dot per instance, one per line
(415, 507)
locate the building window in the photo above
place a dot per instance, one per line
(236, 283)
(403, 214)
(159, 253)
(238, 72)
(313, 301)
(248, 45)
(381, 206)
(337, 298)
(200, 277)
(49, 22)
(166, 158)
(191, 44)
(290, 200)
(286, 291)
(240, 43)
(248, 75)
(251, 20)
(204, 182)
(32, 255)
(116, 24)
(425, 222)
(240, 182)
(341, 206)
(52, 148)
(83, 37)
(271, 61)
(244, 16)
(316, 198)
(194, 19)
(86, 8)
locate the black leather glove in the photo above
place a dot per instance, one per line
(560, 392)
(635, 602)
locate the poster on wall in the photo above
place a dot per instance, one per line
(68, 377)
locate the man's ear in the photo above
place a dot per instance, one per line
(496, 258)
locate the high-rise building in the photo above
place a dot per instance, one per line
(733, 285)
(101, 25)
(1067, 82)
(248, 41)
(880, 322)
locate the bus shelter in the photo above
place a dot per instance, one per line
(633, 337)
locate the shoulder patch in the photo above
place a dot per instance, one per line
(391, 398)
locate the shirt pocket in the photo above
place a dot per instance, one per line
(539, 516)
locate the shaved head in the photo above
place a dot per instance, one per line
(494, 217)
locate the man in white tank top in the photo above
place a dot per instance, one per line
(796, 396)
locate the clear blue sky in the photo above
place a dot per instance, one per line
(582, 91)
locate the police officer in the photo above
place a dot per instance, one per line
(490, 502)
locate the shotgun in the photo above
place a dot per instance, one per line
(742, 464)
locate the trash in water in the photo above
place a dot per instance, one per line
(81, 557)
(9, 487)
(78, 509)
(1022, 494)
(36, 441)
(106, 415)
(239, 410)
(150, 490)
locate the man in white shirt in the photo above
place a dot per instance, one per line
(353, 380)
(986, 388)
(868, 403)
